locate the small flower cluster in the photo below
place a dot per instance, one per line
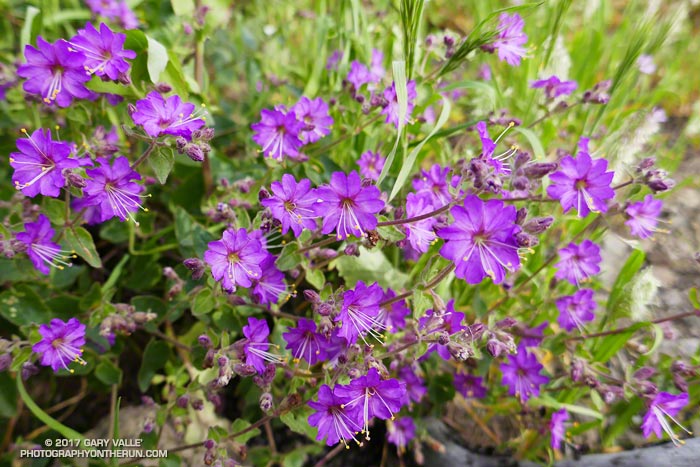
(281, 132)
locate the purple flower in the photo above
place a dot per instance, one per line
(235, 259)
(451, 322)
(578, 262)
(331, 418)
(644, 216)
(256, 344)
(392, 108)
(39, 164)
(61, 343)
(646, 64)
(488, 146)
(469, 386)
(111, 191)
(554, 87)
(304, 342)
(369, 396)
(292, 204)
(481, 240)
(104, 51)
(42, 251)
(358, 75)
(522, 375)
(557, 428)
(347, 207)
(576, 309)
(376, 69)
(171, 116)
(414, 384)
(510, 39)
(360, 311)
(582, 183)
(485, 72)
(270, 285)
(314, 115)
(664, 405)
(437, 183)
(393, 317)
(55, 72)
(334, 59)
(401, 432)
(420, 234)
(114, 10)
(532, 337)
(279, 133)
(371, 165)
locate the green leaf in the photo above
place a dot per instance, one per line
(22, 306)
(157, 59)
(632, 265)
(52, 423)
(55, 210)
(694, 297)
(80, 241)
(610, 345)
(534, 141)
(399, 70)
(108, 373)
(8, 396)
(316, 278)
(31, 27)
(370, 266)
(162, 162)
(109, 87)
(548, 401)
(154, 357)
(297, 421)
(203, 302)
(182, 7)
(407, 166)
(239, 425)
(289, 258)
(135, 40)
(623, 421)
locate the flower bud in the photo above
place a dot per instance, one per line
(644, 373)
(194, 152)
(577, 370)
(28, 370)
(182, 401)
(196, 266)
(444, 338)
(459, 352)
(163, 88)
(506, 323)
(537, 225)
(266, 402)
(475, 331)
(204, 341)
(521, 158)
(148, 425)
(197, 404)
(680, 382)
(5, 362)
(241, 369)
(324, 309)
(538, 170)
(312, 296)
(74, 179)
(521, 183)
(352, 250)
(520, 216)
(495, 347)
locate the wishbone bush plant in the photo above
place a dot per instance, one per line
(327, 220)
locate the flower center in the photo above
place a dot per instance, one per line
(234, 258)
(581, 184)
(289, 206)
(57, 343)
